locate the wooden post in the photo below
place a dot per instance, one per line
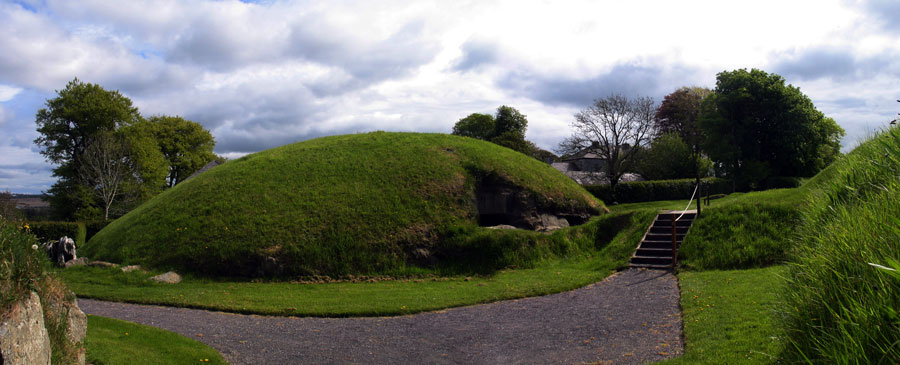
(674, 243)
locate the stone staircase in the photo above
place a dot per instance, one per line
(655, 250)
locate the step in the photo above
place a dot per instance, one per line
(669, 216)
(668, 222)
(664, 236)
(651, 266)
(680, 230)
(654, 252)
(651, 260)
(658, 244)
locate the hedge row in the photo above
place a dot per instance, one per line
(52, 231)
(645, 191)
(93, 227)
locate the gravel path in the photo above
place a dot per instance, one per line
(631, 317)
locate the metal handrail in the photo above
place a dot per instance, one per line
(674, 234)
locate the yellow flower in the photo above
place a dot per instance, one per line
(26, 227)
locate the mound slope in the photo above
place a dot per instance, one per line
(376, 203)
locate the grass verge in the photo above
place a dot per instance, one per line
(111, 341)
(730, 317)
(614, 235)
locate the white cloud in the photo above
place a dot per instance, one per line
(8, 92)
(261, 75)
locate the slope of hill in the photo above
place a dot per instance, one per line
(844, 286)
(365, 204)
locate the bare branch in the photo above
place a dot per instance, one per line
(105, 166)
(616, 127)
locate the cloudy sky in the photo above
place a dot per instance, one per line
(263, 74)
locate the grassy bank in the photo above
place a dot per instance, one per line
(842, 306)
(112, 342)
(613, 240)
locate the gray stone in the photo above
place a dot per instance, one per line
(502, 226)
(23, 337)
(81, 261)
(61, 251)
(551, 222)
(131, 268)
(170, 277)
(102, 264)
(77, 323)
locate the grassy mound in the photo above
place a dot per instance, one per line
(365, 204)
(841, 307)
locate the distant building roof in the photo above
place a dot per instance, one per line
(203, 169)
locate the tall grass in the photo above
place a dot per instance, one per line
(840, 307)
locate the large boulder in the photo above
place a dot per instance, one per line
(61, 251)
(23, 337)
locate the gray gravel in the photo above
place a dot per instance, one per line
(631, 317)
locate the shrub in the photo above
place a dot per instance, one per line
(24, 269)
(52, 231)
(840, 307)
(645, 191)
(22, 266)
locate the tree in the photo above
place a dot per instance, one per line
(510, 122)
(186, 145)
(476, 125)
(617, 128)
(106, 167)
(67, 125)
(8, 210)
(507, 129)
(757, 127)
(679, 113)
(670, 158)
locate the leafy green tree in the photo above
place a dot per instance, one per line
(476, 125)
(757, 127)
(509, 121)
(507, 129)
(678, 113)
(67, 125)
(185, 144)
(669, 158)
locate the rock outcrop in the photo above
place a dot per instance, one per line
(501, 203)
(23, 336)
(61, 251)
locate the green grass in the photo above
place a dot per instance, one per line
(613, 238)
(731, 317)
(361, 204)
(740, 236)
(111, 341)
(840, 308)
